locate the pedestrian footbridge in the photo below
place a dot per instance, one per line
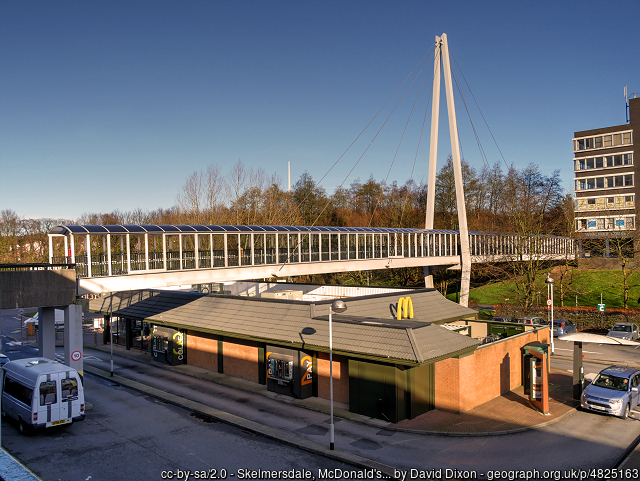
(122, 257)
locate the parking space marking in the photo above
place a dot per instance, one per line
(571, 350)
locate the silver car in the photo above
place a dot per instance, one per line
(625, 330)
(613, 391)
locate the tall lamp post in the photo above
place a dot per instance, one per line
(338, 306)
(550, 282)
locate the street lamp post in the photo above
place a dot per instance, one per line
(550, 282)
(339, 306)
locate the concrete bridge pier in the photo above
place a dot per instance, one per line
(47, 332)
(73, 351)
(428, 277)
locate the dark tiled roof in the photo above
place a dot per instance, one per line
(368, 331)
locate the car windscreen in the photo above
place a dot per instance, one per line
(611, 382)
(621, 328)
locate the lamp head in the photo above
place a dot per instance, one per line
(549, 280)
(338, 306)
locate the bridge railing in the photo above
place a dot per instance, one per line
(102, 254)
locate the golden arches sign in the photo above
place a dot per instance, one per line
(405, 308)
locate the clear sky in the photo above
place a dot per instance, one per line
(110, 105)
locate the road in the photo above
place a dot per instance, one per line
(629, 355)
(131, 436)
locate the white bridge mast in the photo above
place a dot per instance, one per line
(442, 54)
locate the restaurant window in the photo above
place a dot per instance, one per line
(140, 334)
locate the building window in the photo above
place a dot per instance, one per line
(605, 182)
(604, 203)
(602, 141)
(617, 160)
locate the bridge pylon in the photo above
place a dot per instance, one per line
(441, 55)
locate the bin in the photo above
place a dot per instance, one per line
(31, 329)
(526, 362)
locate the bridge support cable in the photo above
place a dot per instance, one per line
(442, 55)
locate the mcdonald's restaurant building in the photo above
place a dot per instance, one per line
(384, 366)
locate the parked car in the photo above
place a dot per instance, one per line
(3, 360)
(532, 320)
(613, 391)
(503, 318)
(625, 330)
(562, 327)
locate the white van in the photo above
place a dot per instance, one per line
(39, 393)
(59, 320)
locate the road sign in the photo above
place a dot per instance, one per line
(548, 302)
(602, 307)
(76, 355)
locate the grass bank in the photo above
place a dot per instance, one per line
(582, 288)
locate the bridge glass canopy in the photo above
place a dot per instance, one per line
(66, 230)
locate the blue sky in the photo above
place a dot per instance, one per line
(110, 105)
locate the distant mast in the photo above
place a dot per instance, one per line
(626, 103)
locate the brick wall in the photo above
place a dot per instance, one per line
(240, 359)
(202, 350)
(340, 377)
(463, 384)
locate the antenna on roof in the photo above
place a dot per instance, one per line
(626, 103)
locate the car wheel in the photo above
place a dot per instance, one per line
(625, 414)
(22, 426)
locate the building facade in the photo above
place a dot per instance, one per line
(383, 367)
(606, 180)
